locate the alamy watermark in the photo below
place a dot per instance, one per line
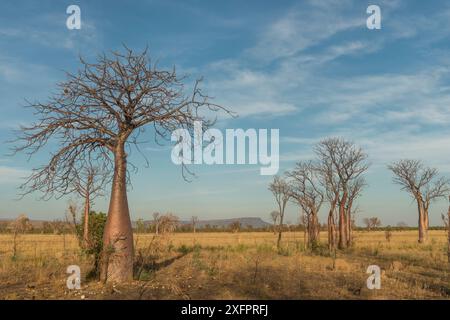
(374, 280)
(74, 20)
(232, 150)
(74, 280)
(374, 20)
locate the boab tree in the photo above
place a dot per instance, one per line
(423, 184)
(342, 165)
(274, 216)
(89, 185)
(95, 117)
(372, 223)
(282, 192)
(306, 191)
(355, 187)
(19, 226)
(194, 222)
(156, 221)
(168, 223)
(330, 183)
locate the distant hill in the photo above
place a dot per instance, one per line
(252, 222)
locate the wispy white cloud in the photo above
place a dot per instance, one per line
(303, 27)
(49, 30)
(11, 175)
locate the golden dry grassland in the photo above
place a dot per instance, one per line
(234, 266)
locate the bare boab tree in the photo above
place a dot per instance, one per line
(89, 185)
(168, 223)
(274, 216)
(372, 223)
(235, 226)
(281, 191)
(96, 116)
(355, 187)
(19, 226)
(156, 221)
(423, 184)
(342, 164)
(194, 222)
(330, 182)
(306, 191)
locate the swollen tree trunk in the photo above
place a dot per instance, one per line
(342, 224)
(315, 228)
(118, 251)
(280, 231)
(331, 242)
(425, 211)
(349, 224)
(331, 227)
(423, 230)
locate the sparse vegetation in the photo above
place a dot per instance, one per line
(171, 266)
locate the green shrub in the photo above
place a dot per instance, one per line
(94, 247)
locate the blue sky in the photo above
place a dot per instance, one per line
(310, 68)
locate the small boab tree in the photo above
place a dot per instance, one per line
(19, 226)
(307, 193)
(274, 216)
(423, 184)
(282, 193)
(194, 222)
(89, 185)
(95, 118)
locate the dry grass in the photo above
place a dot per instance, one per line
(235, 266)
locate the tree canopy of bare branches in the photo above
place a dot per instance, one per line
(424, 185)
(89, 185)
(373, 222)
(20, 225)
(307, 192)
(342, 165)
(168, 223)
(94, 119)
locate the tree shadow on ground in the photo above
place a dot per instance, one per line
(153, 265)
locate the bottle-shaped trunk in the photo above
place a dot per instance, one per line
(342, 222)
(118, 251)
(314, 234)
(331, 227)
(349, 224)
(331, 242)
(280, 231)
(422, 223)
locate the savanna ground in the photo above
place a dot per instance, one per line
(233, 266)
